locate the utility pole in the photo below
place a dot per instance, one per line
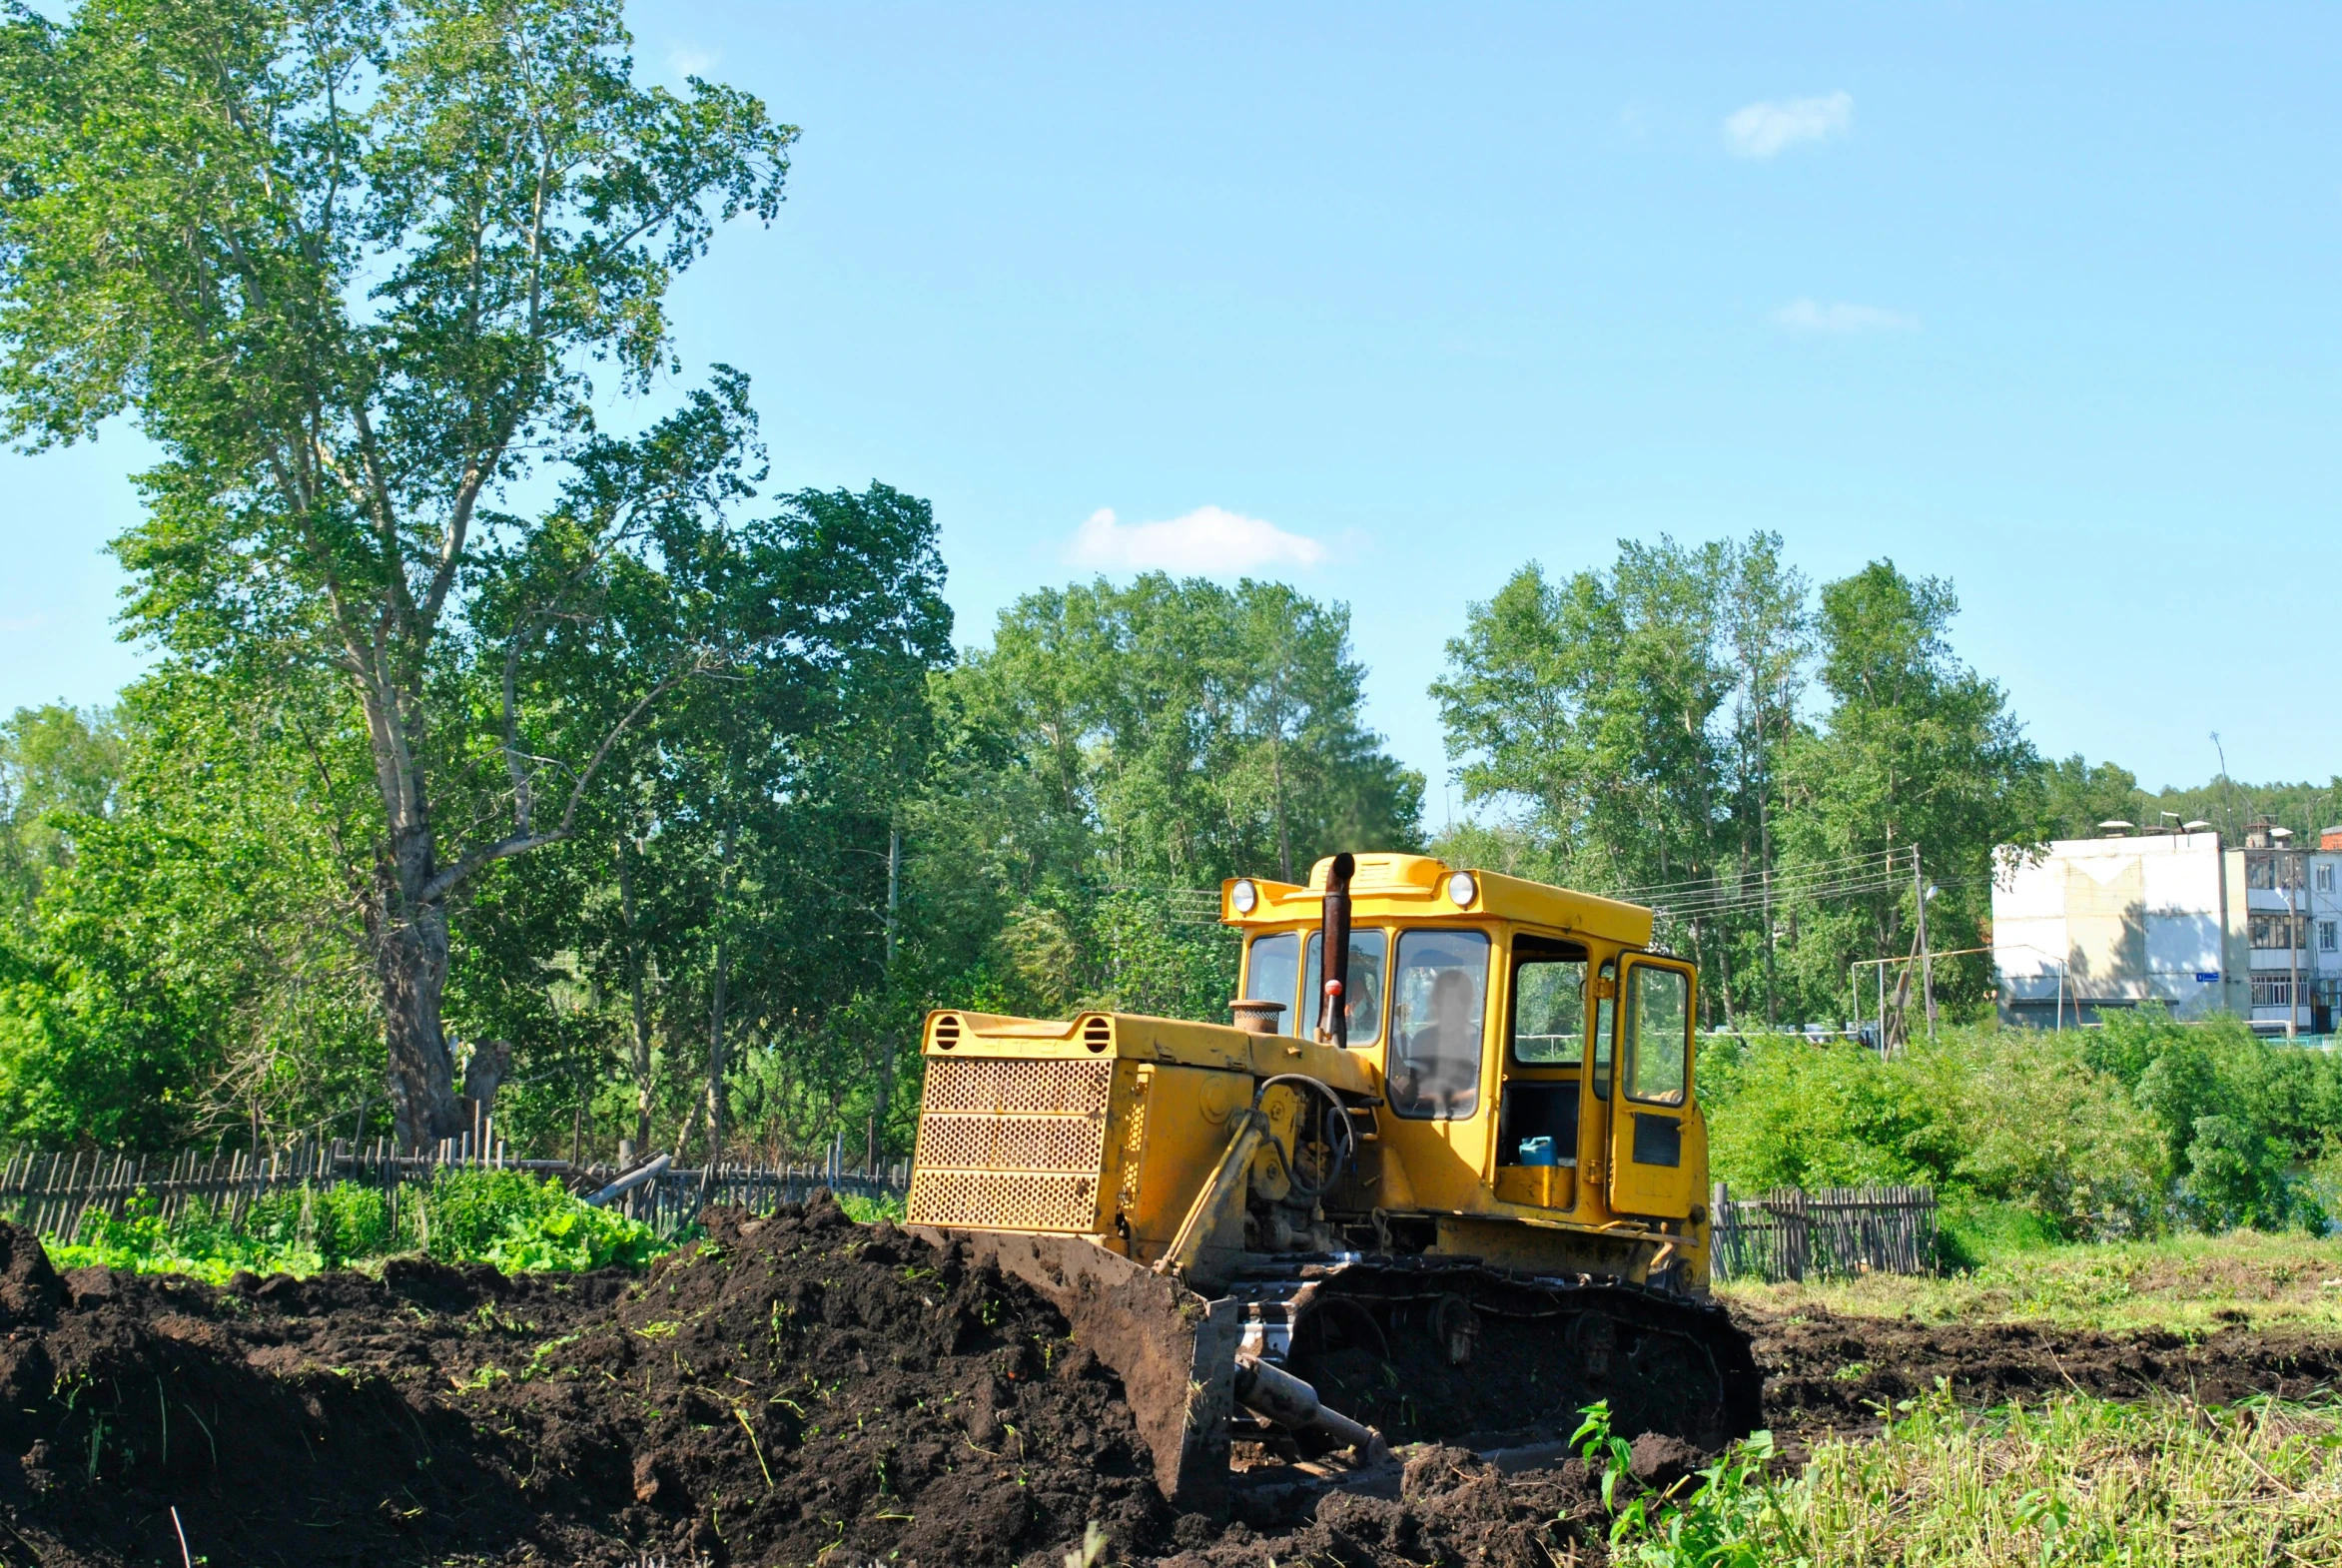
(1918, 888)
(894, 889)
(886, 1074)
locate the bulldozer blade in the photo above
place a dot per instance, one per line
(1175, 1352)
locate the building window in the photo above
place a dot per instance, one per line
(2273, 869)
(2326, 876)
(2271, 990)
(2326, 936)
(2269, 931)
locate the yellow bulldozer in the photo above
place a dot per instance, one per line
(1449, 1184)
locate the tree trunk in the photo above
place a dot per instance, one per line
(490, 1061)
(410, 959)
(715, 1063)
(642, 1083)
(715, 1010)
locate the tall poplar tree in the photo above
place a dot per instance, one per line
(355, 267)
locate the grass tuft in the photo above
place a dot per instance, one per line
(2074, 1481)
(2185, 1283)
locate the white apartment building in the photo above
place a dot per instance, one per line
(2081, 926)
(2284, 946)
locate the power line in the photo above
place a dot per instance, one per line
(1654, 890)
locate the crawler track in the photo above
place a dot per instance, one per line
(1450, 1350)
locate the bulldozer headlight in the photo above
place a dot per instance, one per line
(1461, 890)
(1243, 896)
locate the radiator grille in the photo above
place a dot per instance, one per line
(1012, 1146)
(990, 1085)
(1008, 1142)
(1004, 1200)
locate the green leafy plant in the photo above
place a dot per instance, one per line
(516, 1221)
(1732, 1518)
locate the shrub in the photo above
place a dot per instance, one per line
(1997, 1122)
(511, 1220)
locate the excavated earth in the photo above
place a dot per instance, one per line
(796, 1389)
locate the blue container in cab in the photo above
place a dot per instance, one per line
(1537, 1151)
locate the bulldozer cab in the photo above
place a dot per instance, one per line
(1535, 1057)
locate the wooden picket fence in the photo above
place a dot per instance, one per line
(1791, 1234)
(53, 1193)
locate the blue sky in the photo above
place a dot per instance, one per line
(1387, 300)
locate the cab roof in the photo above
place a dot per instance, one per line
(1415, 886)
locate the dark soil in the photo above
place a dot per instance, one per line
(795, 1389)
(1829, 1373)
(798, 1390)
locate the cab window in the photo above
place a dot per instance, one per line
(1440, 1001)
(1273, 972)
(1548, 1009)
(1658, 1037)
(1363, 1000)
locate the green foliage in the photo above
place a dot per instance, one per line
(1597, 705)
(194, 965)
(1730, 1519)
(870, 1211)
(509, 1218)
(1917, 749)
(1187, 730)
(57, 764)
(1116, 753)
(2230, 806)
(1158, 962)
(2029, 1135)
(349, 265)
(2186, 1282)
(1783, 1113)
(2075, 1481)
(1638, 730)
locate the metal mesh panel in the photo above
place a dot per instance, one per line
(961, 1142)
(1042, 1087)
(1011, 1145)
(1003, 1200)
(1133, 1144)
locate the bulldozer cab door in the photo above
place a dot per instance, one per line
(1653, 1089)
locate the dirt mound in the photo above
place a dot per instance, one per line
(793, 1388)
(1443, 1508)
(1826, 1371)
(798, 1385)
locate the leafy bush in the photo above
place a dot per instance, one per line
(2030, 1136)
(509, 1218)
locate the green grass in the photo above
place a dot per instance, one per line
(870, 1211)
(2186, 1284)
(510, 1218)
(2074, 1481)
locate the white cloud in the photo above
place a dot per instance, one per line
(1804, 316)
(1764, 129)
(685, 59)
(1208, 539)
